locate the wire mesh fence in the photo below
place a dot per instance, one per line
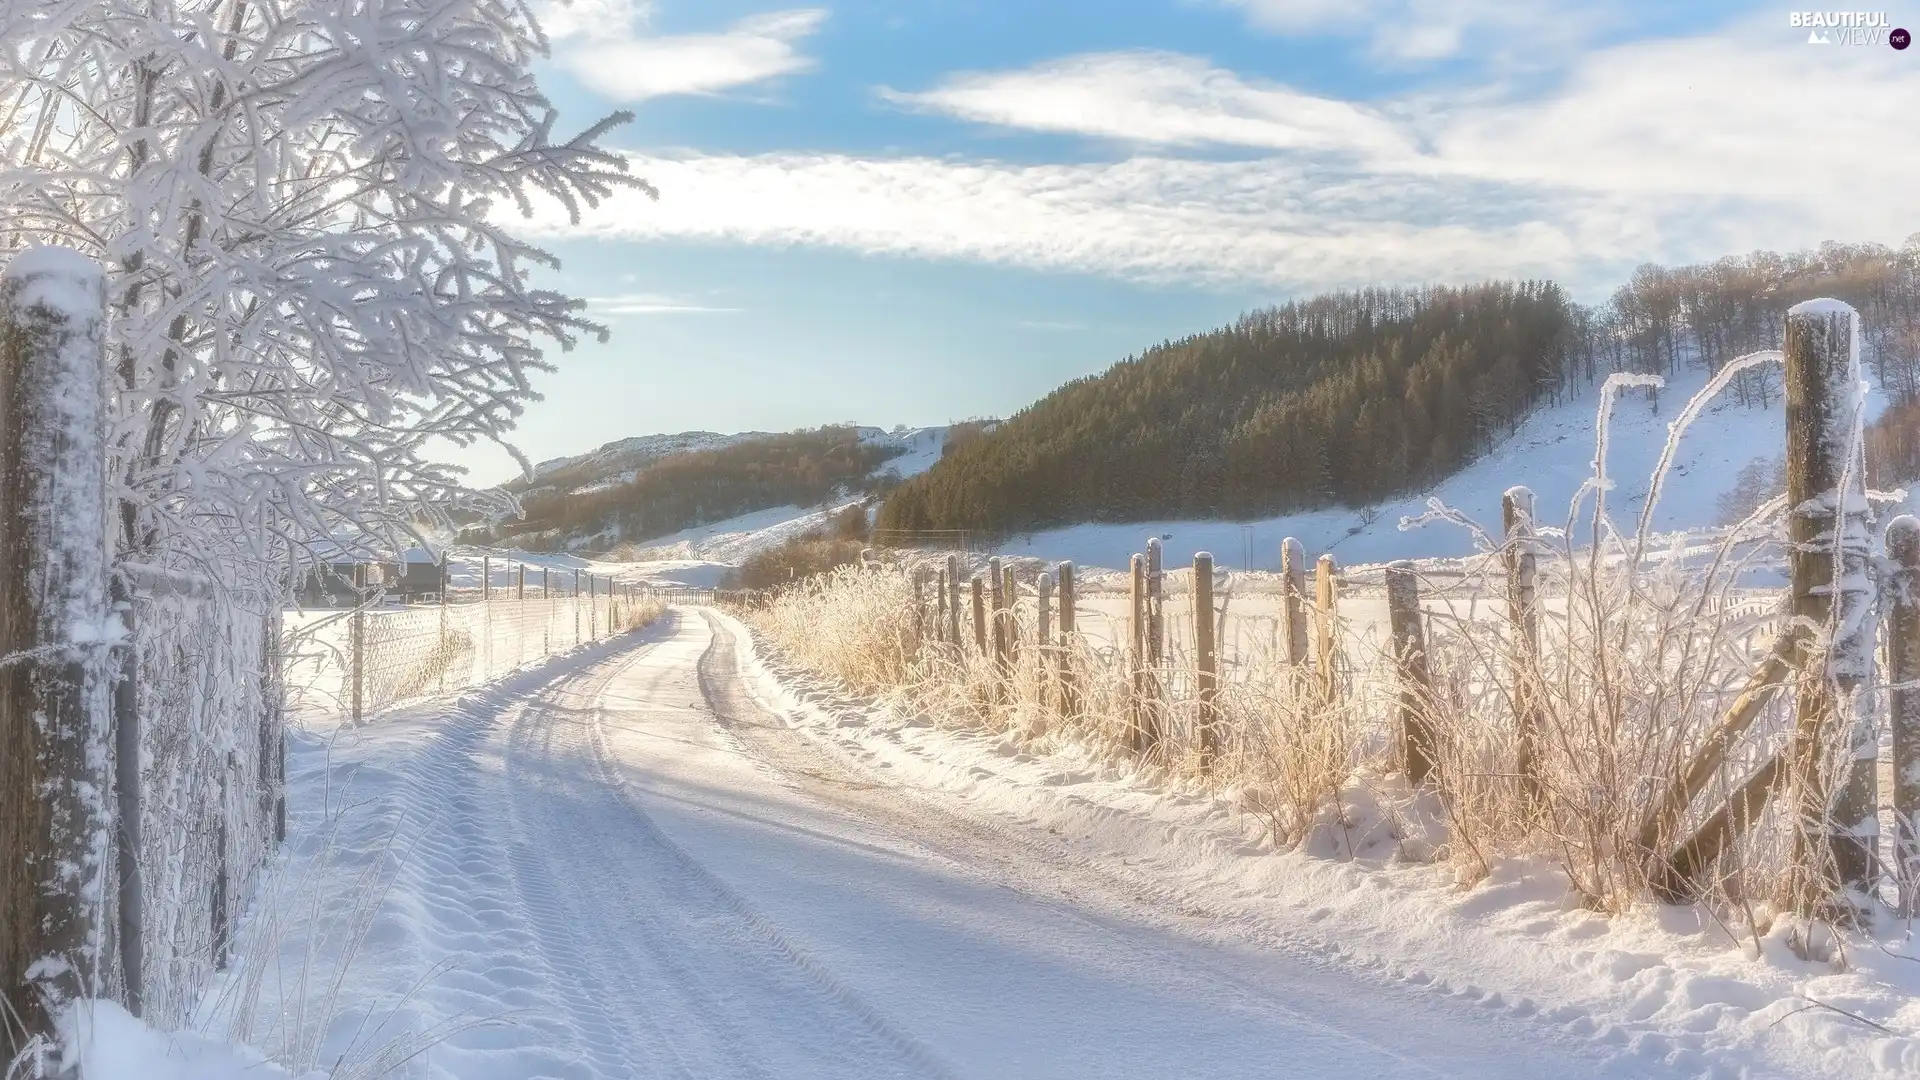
(359, 661)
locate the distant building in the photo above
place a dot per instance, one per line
(416, 576)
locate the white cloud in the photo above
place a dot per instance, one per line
(1152, 218)
(604, 43)
(650, 304)
(1402, 31)
(1157, 97)
(1661, 150)
(1728, 115)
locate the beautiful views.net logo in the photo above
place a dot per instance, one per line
(1849, 28)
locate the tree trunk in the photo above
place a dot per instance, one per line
(54, 715)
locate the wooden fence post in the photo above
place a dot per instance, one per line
(953, 600)
(126, 790)
(1410, 660)
(1043, 631)
(1822, 377)
(1011, 619)
(1069, 687)
(997, 587)
(1523, 614)
(1323, 615)
(55, 721)
(979, 615)
(1043, 589)
(1139, 723)
(1156, 598)
(1293, 587)
(1205, 659)
(1903, 702)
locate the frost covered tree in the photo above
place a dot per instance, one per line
(307, 210)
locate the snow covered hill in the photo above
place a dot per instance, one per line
(1552, 452)
(617, 461)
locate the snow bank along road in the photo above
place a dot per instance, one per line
(657, 879)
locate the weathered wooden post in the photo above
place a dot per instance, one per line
(55, 720)
(1043, 590)
(979, 615)
(1826, 492)
(486, 617)
(520, 614)
(1903, 672)
(1156, 599)
(1012, 617)
(1410, 660)
(1323, 615)
(1293, 589)
(1206, 661)
(126, 791)
(953, 600)
(1524, 617)
(1069, 685)
(1141, 714)
(997, 586)
(1043, 631)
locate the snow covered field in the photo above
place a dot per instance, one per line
(665, 856)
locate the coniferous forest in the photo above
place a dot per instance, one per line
(1353, 397)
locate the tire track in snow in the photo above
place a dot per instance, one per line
(633, 925)
(1114, 899)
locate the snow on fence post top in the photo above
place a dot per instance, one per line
(53, 693)
(1824, 454)
(1516, 506)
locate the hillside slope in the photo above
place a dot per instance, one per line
(1341, 399)
(673, 493)
(1552, 453)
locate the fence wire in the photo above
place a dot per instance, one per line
(399, 654)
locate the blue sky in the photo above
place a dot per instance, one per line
(915, 211)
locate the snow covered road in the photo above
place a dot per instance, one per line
(650, 877)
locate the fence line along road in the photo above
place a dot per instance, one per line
(360, 660)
